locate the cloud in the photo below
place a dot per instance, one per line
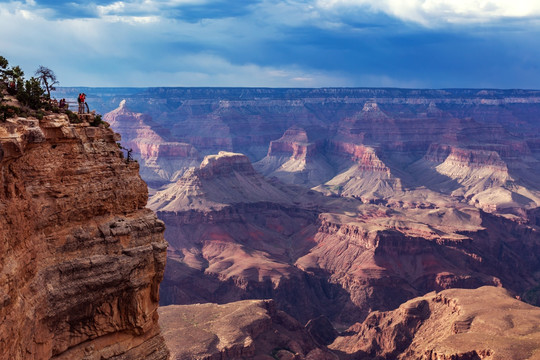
(205, 69)
(274, 43)
(439, 12)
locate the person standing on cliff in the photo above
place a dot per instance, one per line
(79, 101)
(83, 102)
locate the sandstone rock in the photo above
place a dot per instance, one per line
(82, 257)
(484, 323)
(250, 329)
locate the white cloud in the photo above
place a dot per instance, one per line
(112, 50)
(211, 70)
(434, 12)
(137, 43)
(114, 8)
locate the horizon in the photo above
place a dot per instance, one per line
(419, 44)
(298, 88)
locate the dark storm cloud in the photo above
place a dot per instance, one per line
(278, 43)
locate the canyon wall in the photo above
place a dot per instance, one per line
(82, 258)
(235, 235)
(370, 197)
(457, 324)
(375, 144)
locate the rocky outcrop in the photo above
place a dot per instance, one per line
(82, 257)
(161, 160)
(294, 143)
(465, 157)
(363, 174)
(484, 323)
(234, 235)
(250, 329)
(294, 159)
(365, 156)
(307, 137)
(480, 176)
(222, 179)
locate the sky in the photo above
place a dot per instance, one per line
(277, 43)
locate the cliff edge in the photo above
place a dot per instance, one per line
(82, 258)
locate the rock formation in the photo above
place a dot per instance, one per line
(484, 323)
(372, 197)
(162, 161)
(234, 235)
(222, 179)
(250, 329)
(294, 159)
(82, 258)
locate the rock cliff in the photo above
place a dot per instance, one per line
(249, 329)
(411, 191)
(459, 324)
(82, 258)
(161, 160)
(234, 235)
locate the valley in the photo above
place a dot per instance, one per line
(340, 203)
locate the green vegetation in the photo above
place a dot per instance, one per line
(7, 112)
(30, 93)
(73, 118)
(97, 120)
(34, 94)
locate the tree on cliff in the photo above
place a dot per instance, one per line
(30, 92)
(47, 78)
(12, 75)
(3, 66)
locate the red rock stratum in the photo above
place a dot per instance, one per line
(456, 324)
(82, 258)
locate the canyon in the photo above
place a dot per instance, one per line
(364, 210)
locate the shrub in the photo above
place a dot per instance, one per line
(97, 120)
(30, 93)
(7, 112)
(73, 118)
(39, 114)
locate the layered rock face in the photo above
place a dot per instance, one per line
(308, 137)
(250, 329)
(294, 159)
(485, 323)
(82, 258)
(162, 160)
(372, 197)
(234, 235)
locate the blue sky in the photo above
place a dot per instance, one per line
(278, 43)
